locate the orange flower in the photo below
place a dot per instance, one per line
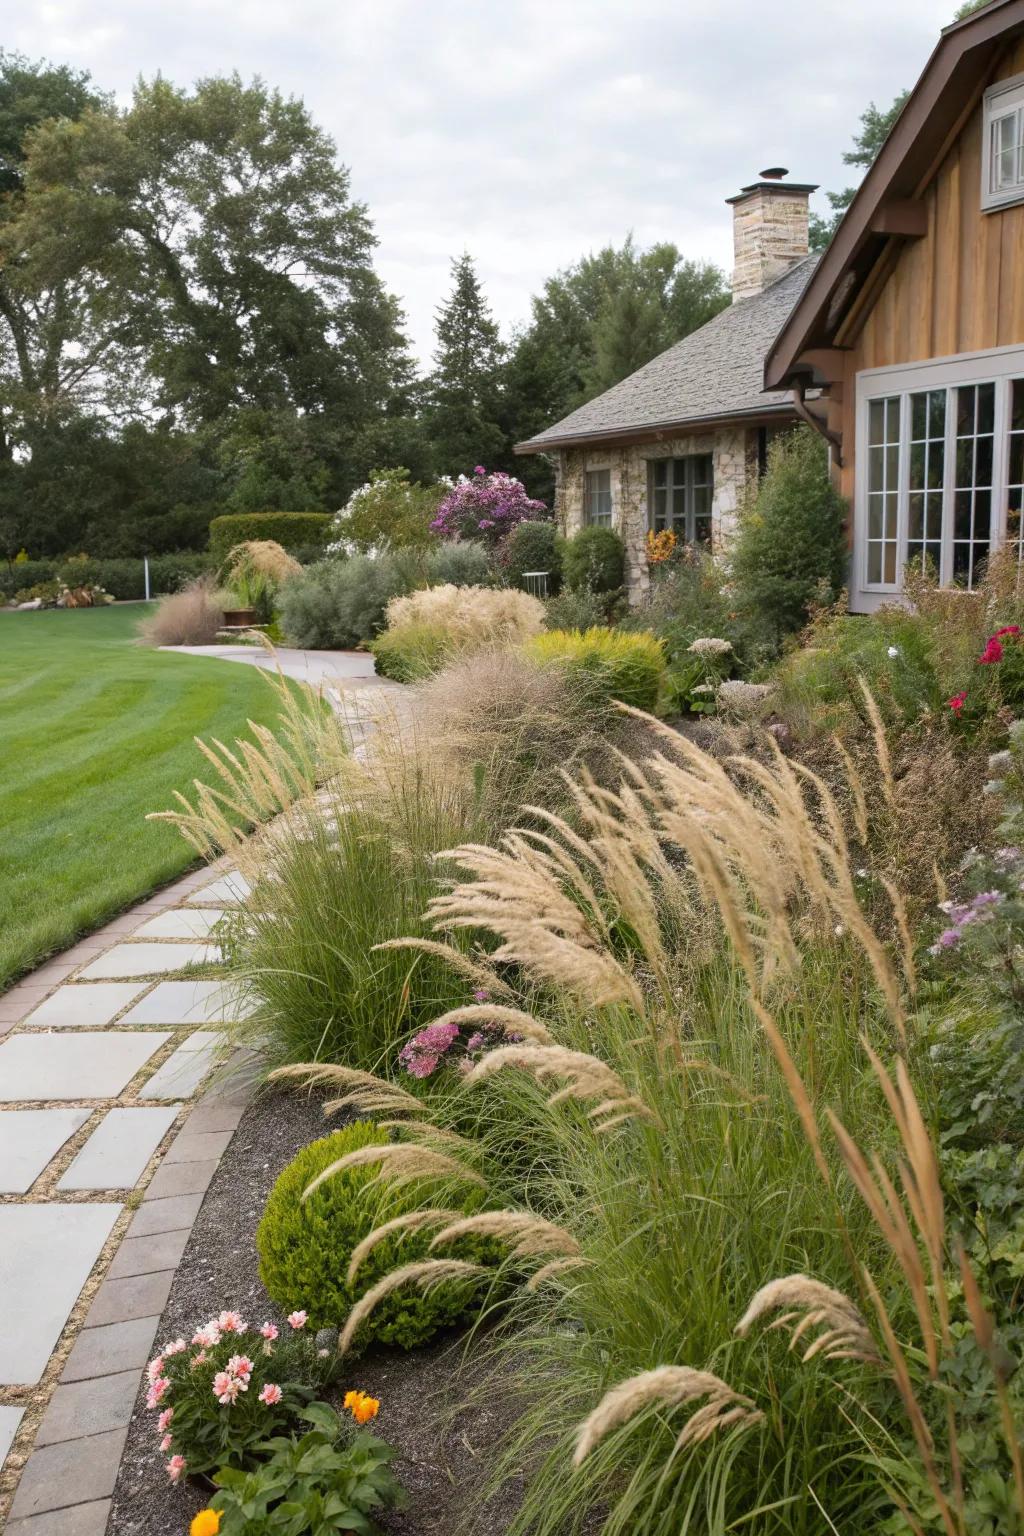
(660, 546)
(361, 1407)
(206, 1523)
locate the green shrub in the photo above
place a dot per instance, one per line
(24, 574)
(389, 512)
(791, 550)
(594, 560)
(338, 604)
(575, 610)
(462, 563)
(610, 664)
(412, 652)
(305, 1246)
(289, 529)
(533, 546)
(123, 578)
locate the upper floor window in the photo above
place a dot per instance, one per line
(681, 492)
(597, 498)
(1003, 154)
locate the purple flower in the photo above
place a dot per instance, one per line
(422, 1054)
(486, 504)
(476, 1042)
(479, 470)
(482, 995)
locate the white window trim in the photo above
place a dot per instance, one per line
(998, 366)
(1005, 93)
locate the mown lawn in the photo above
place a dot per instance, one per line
(94, 732)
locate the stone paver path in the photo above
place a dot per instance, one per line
(104, 1161)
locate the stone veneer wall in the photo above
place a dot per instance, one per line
(734, 463)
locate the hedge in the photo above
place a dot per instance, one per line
(122, 578)
(292, 530)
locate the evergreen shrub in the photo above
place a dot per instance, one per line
(594, 560)
(608, 664)
(292, 530)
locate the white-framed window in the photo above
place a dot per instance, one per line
(597, 498)
(940, 468)
(680, 495)
(1003, 144)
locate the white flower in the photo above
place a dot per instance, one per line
(710, 646)
(893, 652)
(1000, 762)
(743, 698)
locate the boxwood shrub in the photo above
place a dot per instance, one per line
(607, 663)
(412, 652)
(122, 577)
(292, 530)
(305, 1246)
(533, 546)
(594, 560)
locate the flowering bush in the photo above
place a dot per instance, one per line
(229, 1387)
(306, 1246)
(445, 1040)
(485, 507)
(694, 678)
(389, 511)
(996, 694)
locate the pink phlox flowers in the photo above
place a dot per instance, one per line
(230, 1322)
(271, 1393)
(297, 1319)
(176, 1347)
(269, 1331)
(240, 1366)
(207, 1336)
(155, 1368)
(166, 1443)
(164, 1420)
(421, 1055)
(175, 1468)
(158, 1390)
(227, 1387)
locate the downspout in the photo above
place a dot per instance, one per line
(816, 424)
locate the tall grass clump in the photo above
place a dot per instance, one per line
(757, 1319)
(192, 616)
(435, 625)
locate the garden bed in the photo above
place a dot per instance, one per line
(442, 1460)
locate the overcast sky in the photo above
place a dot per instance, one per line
(528, 132)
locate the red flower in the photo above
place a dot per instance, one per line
(1007, 629)
(957, 702)
(992, 653)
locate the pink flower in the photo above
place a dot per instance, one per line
(177, 1347)
(155, 1368)
(157, 1390)
(271, 1393)
(482, 995)
(175, 1467)
(1007, 629)
(957, 702)
(297, 1319)
(479, 470)
(166, 1443)
(240, 1366)
(164, 1419)
(992, 653)
(226, 1388)
(269, 1331)
(199, 1359)
(207, 1336)
(230, 1322)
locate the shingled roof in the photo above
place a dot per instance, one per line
(713, 374)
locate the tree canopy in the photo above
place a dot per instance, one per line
(875, 124)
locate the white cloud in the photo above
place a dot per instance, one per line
(528, 131)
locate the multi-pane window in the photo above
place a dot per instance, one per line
(883, 488)
(927, 472)
(940, 476)
(1015, 469)
(681, 494)
(597, 498)
(1003, 167)
(972, 504)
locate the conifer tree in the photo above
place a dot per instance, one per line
(464, 394)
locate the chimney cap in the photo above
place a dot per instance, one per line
(774, 173)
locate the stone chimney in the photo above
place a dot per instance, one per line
(769, 225)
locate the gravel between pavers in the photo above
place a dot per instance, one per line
(442, 1465)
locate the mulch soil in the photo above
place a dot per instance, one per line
(443, 1459)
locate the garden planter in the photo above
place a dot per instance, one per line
(239, 618)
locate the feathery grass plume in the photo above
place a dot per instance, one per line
(845, 1334)
(366, 1091)
(401, 1163)
(512, 1020)
(881, 741)
(668, 1386)
(551, 1271)
(412, 1221)
(513, 894)
(528, 1235)
(587, 1077)
(899, 912)
(854, 780)
(796, 1086)
(471, 969)
(426, 1274)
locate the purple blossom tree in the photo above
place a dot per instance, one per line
(485, 507)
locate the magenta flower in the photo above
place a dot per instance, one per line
(479, 470)
(421, 1055)
(482, 995)
(490, 505)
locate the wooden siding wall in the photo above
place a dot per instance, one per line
(960, 288)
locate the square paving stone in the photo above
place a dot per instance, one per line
(148, 1255)
(78, 1006)
(149, 959)
(89, 1408)
(72, 1065)
(174, 1003)
(78, 1520)
(46, 1253)
(185, 1068)
(10, 1418)
(181, 923)
(29, 1138)
(74, 1472)
(110, 1348)
(123, 1301)
(230, 889)
(116, 1154)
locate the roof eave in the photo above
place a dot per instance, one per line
(977, 35)
(659, 429)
